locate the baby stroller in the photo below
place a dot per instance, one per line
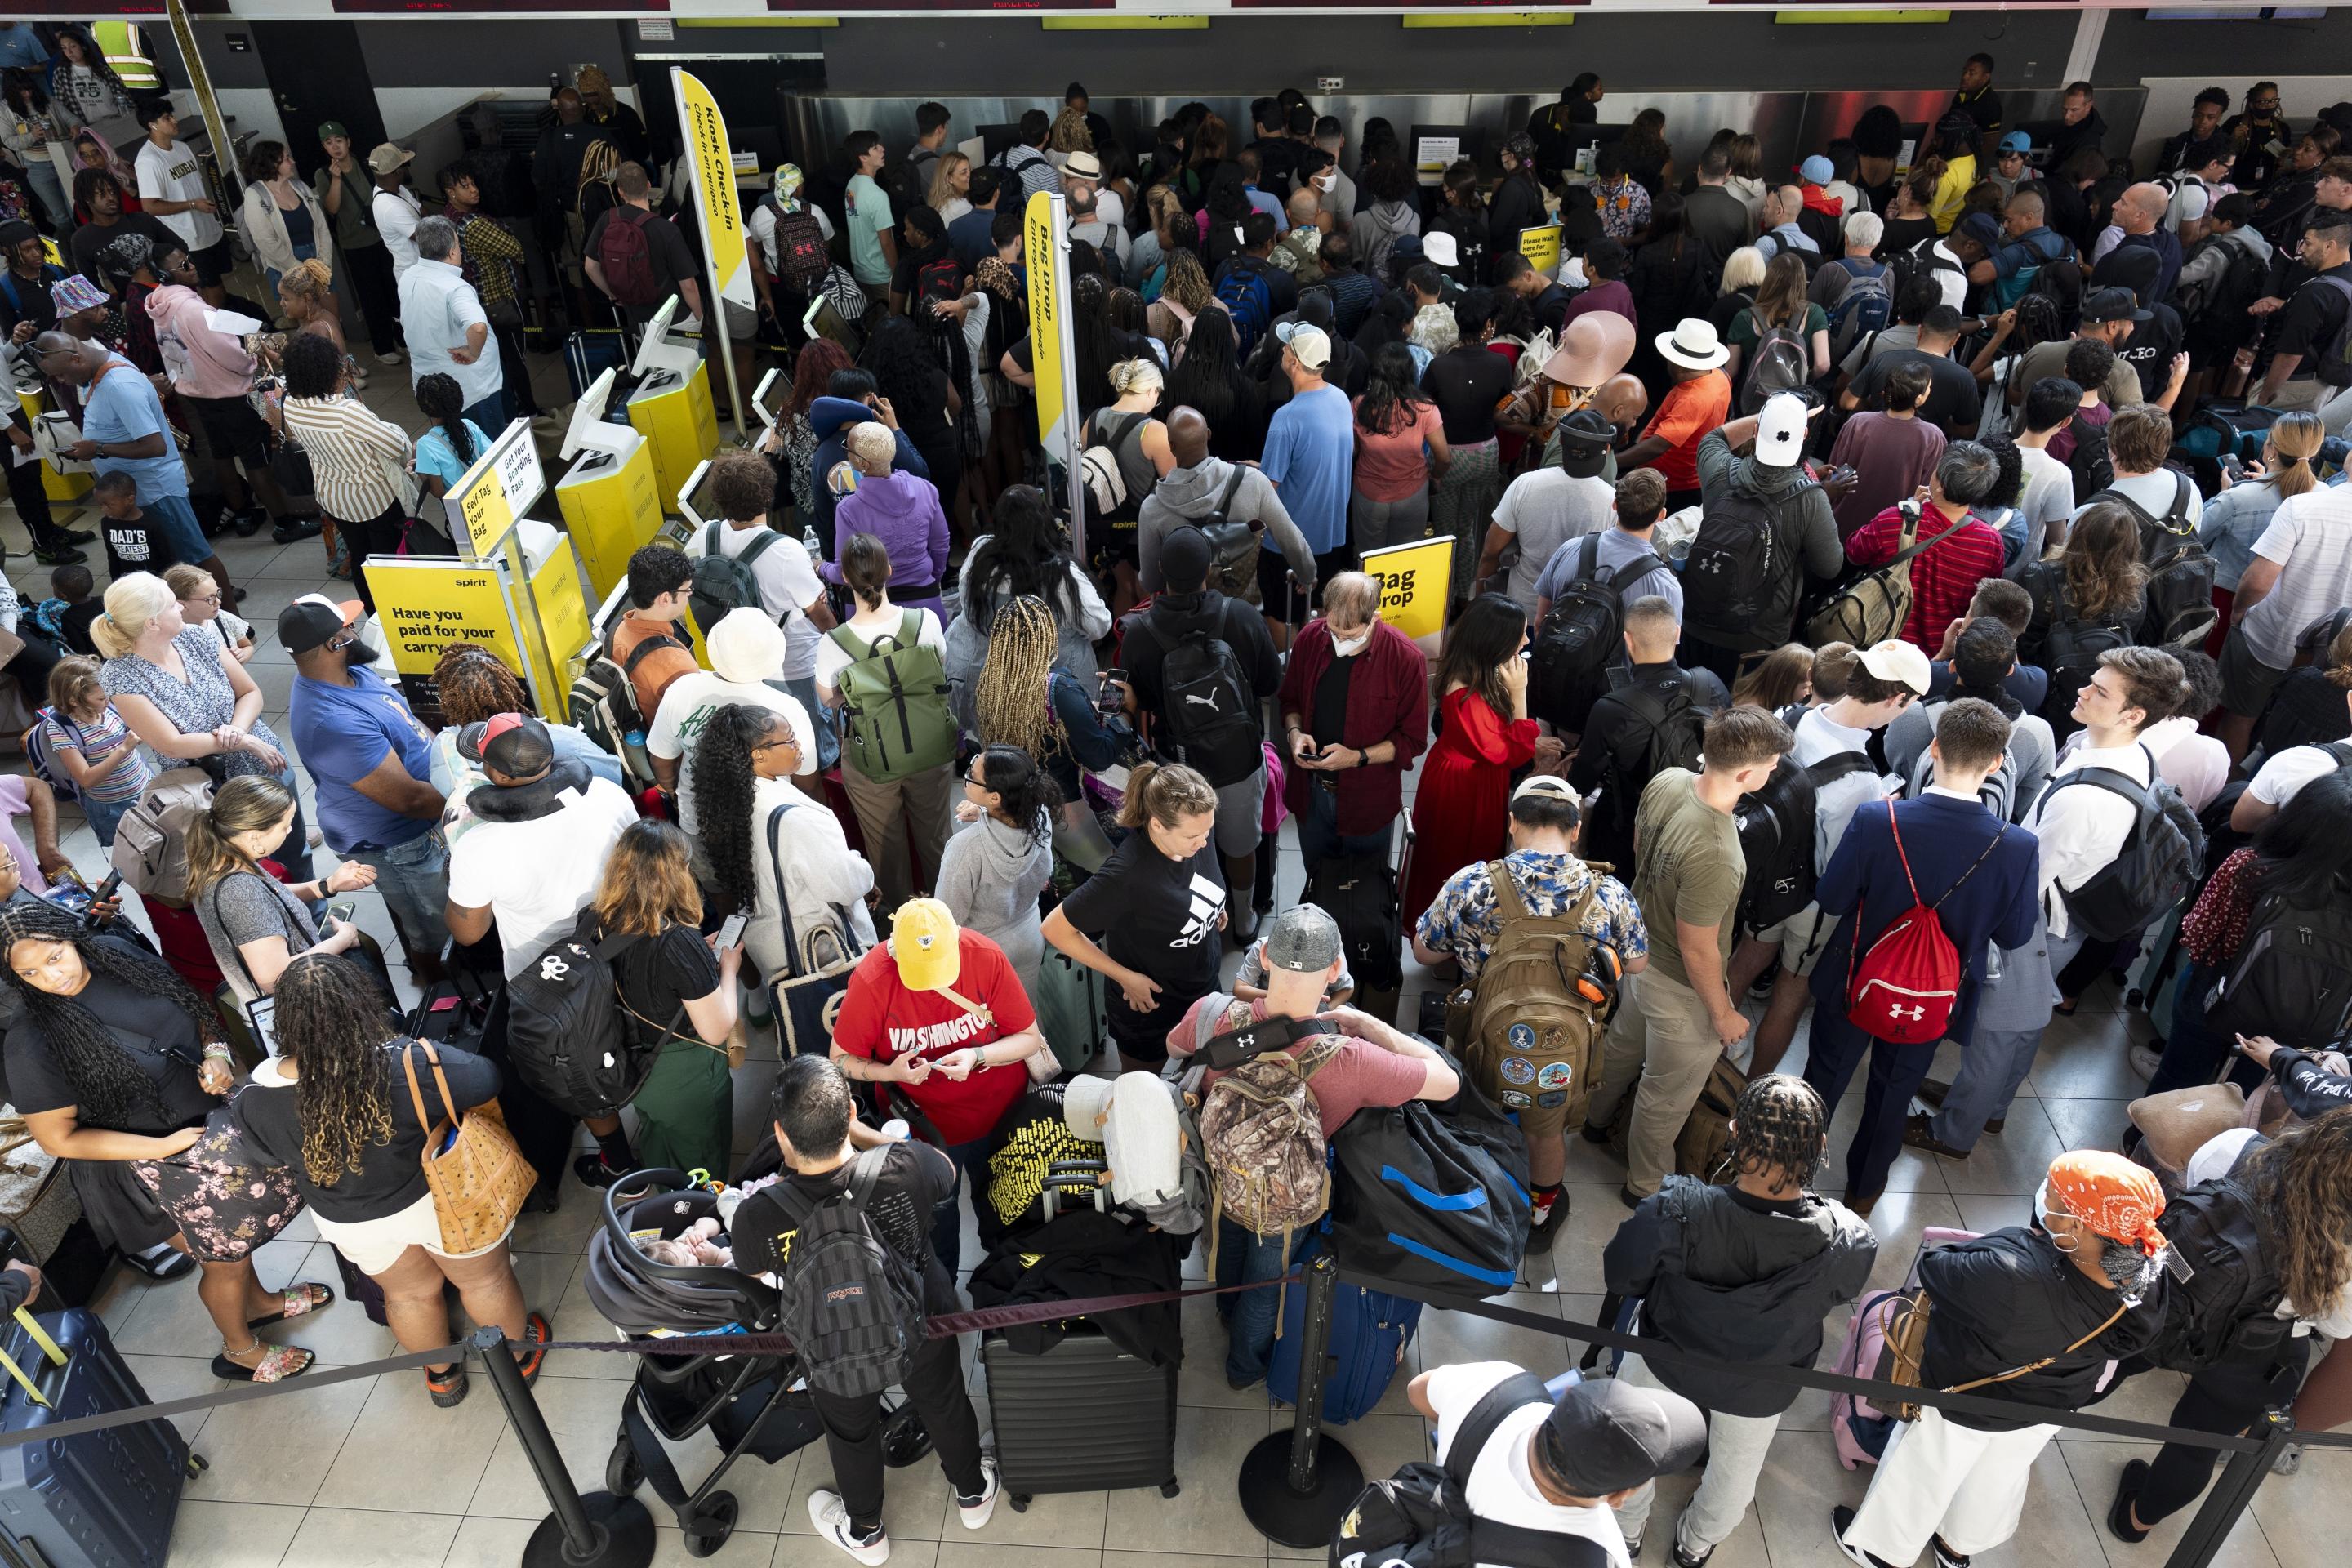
(756, 1404)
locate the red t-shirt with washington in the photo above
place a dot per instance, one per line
(881, 1020)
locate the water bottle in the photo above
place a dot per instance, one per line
(639, 763)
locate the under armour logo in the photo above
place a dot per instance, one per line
(553, 968)
(1916, 1014)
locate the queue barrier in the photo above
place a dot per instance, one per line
(1294, 1486)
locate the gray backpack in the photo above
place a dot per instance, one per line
(851, 1306)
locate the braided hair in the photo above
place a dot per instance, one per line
(725, 784)
(110, 1086)
(1013, 699)
(1780, 1124)
(331, 1022)
(439, 399)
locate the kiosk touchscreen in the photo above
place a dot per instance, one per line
(775, 390)
(610, 497)
(694, 502)
(671, 404)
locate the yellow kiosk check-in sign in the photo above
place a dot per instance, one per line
(1415, 580)
(500, 488)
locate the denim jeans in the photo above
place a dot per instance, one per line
(489, 415)
(1251, 1316)
(1320, 838)
(828, 744)
(413, 879)
(301, 253)
(104, 814)
(294, 853)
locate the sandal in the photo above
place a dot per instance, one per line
(171, 1266)
(298, 1301)
(447, 1387)
(535, 1333)
(277, 1363)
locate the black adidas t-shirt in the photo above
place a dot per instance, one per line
(916, 1178)
(1159, 918)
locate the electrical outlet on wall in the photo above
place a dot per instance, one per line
(1330, 83)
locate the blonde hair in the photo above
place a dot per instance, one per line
(600, 161)
(132, 602)
(1070, 133)
(1133, 376)
(872, 447)
(648, 882)
(1011, 705)
(2296, 438)
(943, 169)
(187, 582)
(1164, 793)
(1743, 268)
(1187, 282)
(245, 803)
(70, 681)
(309, 281)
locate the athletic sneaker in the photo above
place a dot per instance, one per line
(1841, 1521)
(977, 1511)
(1945, 1556)
(390, 356)
(831, 1517)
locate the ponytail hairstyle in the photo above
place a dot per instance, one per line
(1133, 376)
(865, 569)
(725, 786)
(2296, 438)
(439, 399)
(245, 803)
(1030, 794)
(2338, 665)
(1164, 793)
(109, 1087)
(132, 602)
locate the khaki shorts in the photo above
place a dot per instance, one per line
(1800, 938)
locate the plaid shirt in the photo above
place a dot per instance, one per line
(1943, 579)
(492, 254)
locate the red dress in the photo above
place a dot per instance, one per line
(1461, 812)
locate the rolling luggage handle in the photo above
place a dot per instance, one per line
(48, 1348)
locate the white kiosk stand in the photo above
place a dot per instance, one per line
(609, 500)
(671, 404)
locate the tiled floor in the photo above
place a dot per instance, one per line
(368, 1474)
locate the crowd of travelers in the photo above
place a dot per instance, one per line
(1887, 605)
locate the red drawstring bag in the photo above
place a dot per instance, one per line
(1903, 990)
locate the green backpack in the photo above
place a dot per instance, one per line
(894, 696)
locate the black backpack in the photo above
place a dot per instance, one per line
(1420, 1518)
(1234, 545)
(2060, 281)
(1208, 715)
(1432, 1198)
(2088, 462)
(2160, 858)
(851, 1306)
(2070, 646)
(1919, 261)
(2179, 590)
(1360, 893)
(2245, 278)
(1582, 638)
(722, 581)
(568, 1034)
(1740, 581)
(1676, 728)
(2293, 976)
(1776, 838)
(2222, 1302)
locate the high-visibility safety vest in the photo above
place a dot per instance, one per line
(126, 51)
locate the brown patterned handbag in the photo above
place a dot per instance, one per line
(478, 1177)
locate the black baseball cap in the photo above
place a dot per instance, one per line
(1584, 441)
(2103, 305)
(1184, 561)
(1605, 1436)
(516, 744)
(314, 620)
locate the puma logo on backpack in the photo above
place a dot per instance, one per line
(1544, 999)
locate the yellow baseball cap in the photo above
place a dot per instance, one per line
(927, 945)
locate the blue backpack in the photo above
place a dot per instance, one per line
(1246, 292)
(44, 762)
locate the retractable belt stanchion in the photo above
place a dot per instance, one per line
(598, 1530)
(1296, 1485)
(2232, 1494)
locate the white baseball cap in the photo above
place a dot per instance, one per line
(1780, 431)
(1897, 661)
(1307, 340)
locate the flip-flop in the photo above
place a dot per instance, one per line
(296, 1301)
(173, 1267)
(278, 1364)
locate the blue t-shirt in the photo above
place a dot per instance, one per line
(123, 407)
(1310, 454)
(343, 732)
(435, 456)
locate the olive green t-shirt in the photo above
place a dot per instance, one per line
(1691, 868)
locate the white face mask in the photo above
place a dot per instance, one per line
(1326, 179)
(1348, 647)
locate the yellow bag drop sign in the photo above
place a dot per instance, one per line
(1415, 581)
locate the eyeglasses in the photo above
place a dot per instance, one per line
(206, 599)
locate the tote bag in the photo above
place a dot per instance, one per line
(478, 1175)
(816, 969)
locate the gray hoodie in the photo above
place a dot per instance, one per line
(2201, 271)
(1190, 495)
(1376, 229)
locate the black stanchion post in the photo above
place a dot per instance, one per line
(1295, 1485)
(2233, 1493)
(598, 1530)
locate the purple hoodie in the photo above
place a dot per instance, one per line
(902, 512)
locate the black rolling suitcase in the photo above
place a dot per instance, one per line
(1084, 1416)
(98, 1500)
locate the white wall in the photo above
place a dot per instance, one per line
(2169, 98)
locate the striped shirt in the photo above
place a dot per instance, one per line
(353, 454)
(1944, 577)
(129, 773)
